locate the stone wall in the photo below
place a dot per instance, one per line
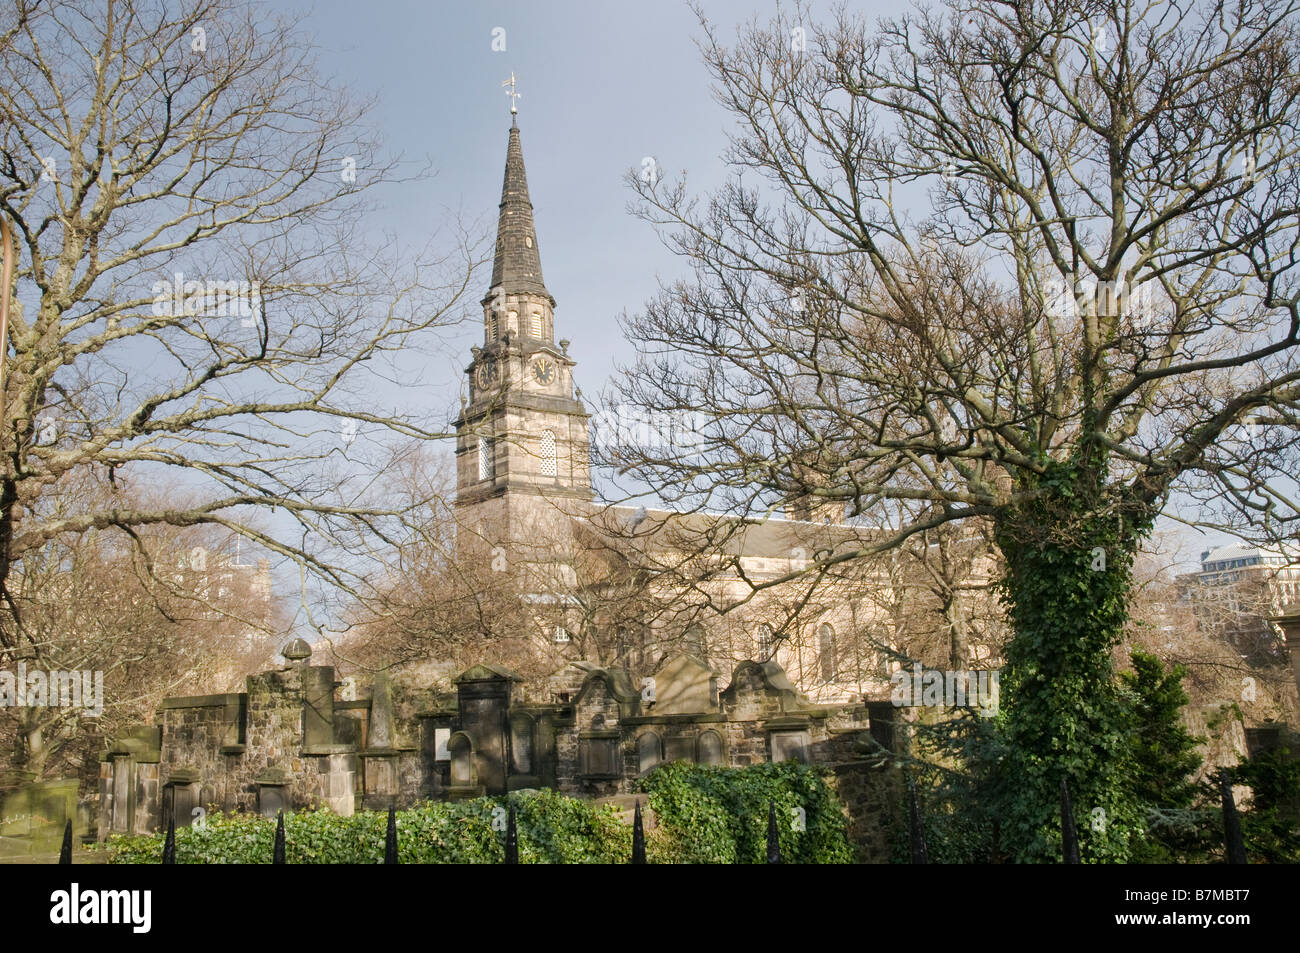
(289, 742)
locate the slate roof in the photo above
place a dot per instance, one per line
(518, 263)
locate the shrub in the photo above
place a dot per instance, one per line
(720, 815)
(552, 829)
(706, 815)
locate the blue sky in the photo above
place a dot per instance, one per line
(604, 85)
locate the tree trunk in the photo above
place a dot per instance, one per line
(1068, 565)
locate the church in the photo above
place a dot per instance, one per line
(525, 497)
(666, 636)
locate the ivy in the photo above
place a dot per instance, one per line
(552, 829)
(705, 815)
(1069, 555)
(720, 815)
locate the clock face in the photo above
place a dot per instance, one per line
(544, 370)
(487, 373)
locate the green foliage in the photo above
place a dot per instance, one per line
(552, 829)
(705, 815)
(957, 790)
(720, 815)
(964, 788)
(1069, 554)
(1180, 818)
(1164, 751)
(1271, 827)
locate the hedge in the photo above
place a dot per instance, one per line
(720, 815)
(705, 815)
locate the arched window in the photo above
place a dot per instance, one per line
(766, 642)
(485, 458)
(535, 324)
(826, 651)
(548, 468)
(494, 330)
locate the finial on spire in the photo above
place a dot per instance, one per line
(514, 96)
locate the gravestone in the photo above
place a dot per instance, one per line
(790, 745)
(483, 694)
(649, 751)
(683, 686)
(710, 748)
(680, 748)
(461, 754)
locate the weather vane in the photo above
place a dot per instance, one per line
(514, 96)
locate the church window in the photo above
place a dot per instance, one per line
(562, 634)
(766, 642)
(535, 324)
(485, 458)
(826, 652)
(548, 468)
(493, 328)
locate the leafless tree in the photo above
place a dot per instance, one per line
(1021, 262)
(198, 299)
(177, 611)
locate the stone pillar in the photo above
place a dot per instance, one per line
(380, 754)
(1289, 623)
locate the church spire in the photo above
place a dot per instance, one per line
(517, 268)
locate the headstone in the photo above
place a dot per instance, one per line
(649, 751)
(709, 748)
(462, 768)
(790, 746)
(521, 744)
(122, 771)
(483, 702)
(682, 686)
(680, 748)
(318, 705)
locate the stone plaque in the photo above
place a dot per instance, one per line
(649, 751)
(440, 738)
(790, 746)
(680, 748)
(710, 748)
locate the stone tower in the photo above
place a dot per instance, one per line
(521, 438)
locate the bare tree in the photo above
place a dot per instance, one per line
(177, 611)
(1017, 262)
(197, 298)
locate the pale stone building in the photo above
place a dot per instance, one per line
(524, 498)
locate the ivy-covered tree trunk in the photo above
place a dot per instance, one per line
(1069, 558)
